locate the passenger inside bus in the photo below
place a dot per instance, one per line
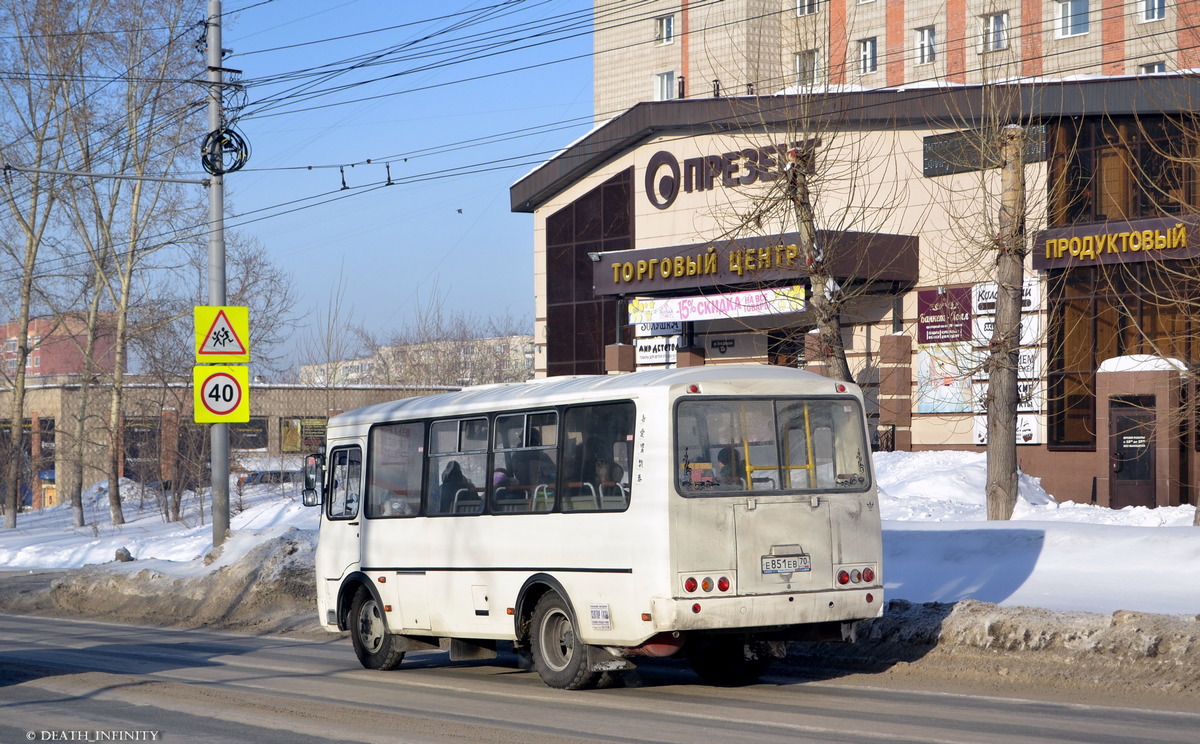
(729, 470)
(457, 495)
(532, 467)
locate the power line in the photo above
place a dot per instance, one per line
(533, 158)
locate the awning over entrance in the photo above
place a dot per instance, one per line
(754, 261)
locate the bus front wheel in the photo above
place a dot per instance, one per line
(373, 645)
(559, 657)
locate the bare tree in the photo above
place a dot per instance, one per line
(446, 347)
(162, 339)
(137, 125)
(31, 127)
(330, 341)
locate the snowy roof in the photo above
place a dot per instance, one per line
(1142, 363)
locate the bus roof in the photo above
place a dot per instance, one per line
(556, 390)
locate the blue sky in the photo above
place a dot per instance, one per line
(445, 226)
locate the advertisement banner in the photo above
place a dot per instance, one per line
(715, 307)
(943, 316)
(1029, 429)
(943, 378)
(656, 349)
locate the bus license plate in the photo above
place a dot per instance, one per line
(785, 563)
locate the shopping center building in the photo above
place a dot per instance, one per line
(668, 236)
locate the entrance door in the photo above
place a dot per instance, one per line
(1131, 451)
(338, 549)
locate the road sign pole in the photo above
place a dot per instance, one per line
(216, 270)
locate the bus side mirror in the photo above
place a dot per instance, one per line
(311, 495)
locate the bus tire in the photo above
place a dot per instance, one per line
(723, 660)
(559, 657)
(374, 646)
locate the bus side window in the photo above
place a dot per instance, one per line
(346, 484)
(596, 465)
(526, 462)
(457, 470)
(394, 470)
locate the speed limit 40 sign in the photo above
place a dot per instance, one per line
(221, 394)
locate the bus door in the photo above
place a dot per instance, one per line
(338, 549)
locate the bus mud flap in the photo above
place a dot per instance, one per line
(408, 643)
(469, 649)
(600, 660)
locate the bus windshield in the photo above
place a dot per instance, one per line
(770, 444)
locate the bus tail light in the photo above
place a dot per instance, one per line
(696, 608)
(856, 576)
(707, 584)
(723, 584)
(690, 584)
(693, 388)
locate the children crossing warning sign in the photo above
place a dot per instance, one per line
(222, 334)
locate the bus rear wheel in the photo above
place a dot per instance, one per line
(559, 657)
(374, 646)
(726, 660)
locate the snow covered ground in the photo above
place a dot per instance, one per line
(938, 544)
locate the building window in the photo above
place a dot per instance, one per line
(664, 29)
(926, 45)
(1102, 312)
(868, 59)
(664, 86)
(578, 323)
(10, 365)
(1072, 18)
(807, 7)
(806, 67)
(1152, 67)
(1154, 10)
(10, 346)
(1121, 169)
(995, 31)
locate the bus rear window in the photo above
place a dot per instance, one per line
(755, 445)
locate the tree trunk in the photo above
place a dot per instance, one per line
(80, 424)
(824, 292)
(1006, 335)
(16, 459)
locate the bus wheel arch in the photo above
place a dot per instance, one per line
(534, 588)
(346, 594)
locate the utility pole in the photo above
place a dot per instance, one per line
(1001, 487)
(219, 454)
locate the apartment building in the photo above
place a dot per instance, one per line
(56, 347)
(668, 49)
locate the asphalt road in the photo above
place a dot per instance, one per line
(65, 680)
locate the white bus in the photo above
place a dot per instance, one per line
(719, 511)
